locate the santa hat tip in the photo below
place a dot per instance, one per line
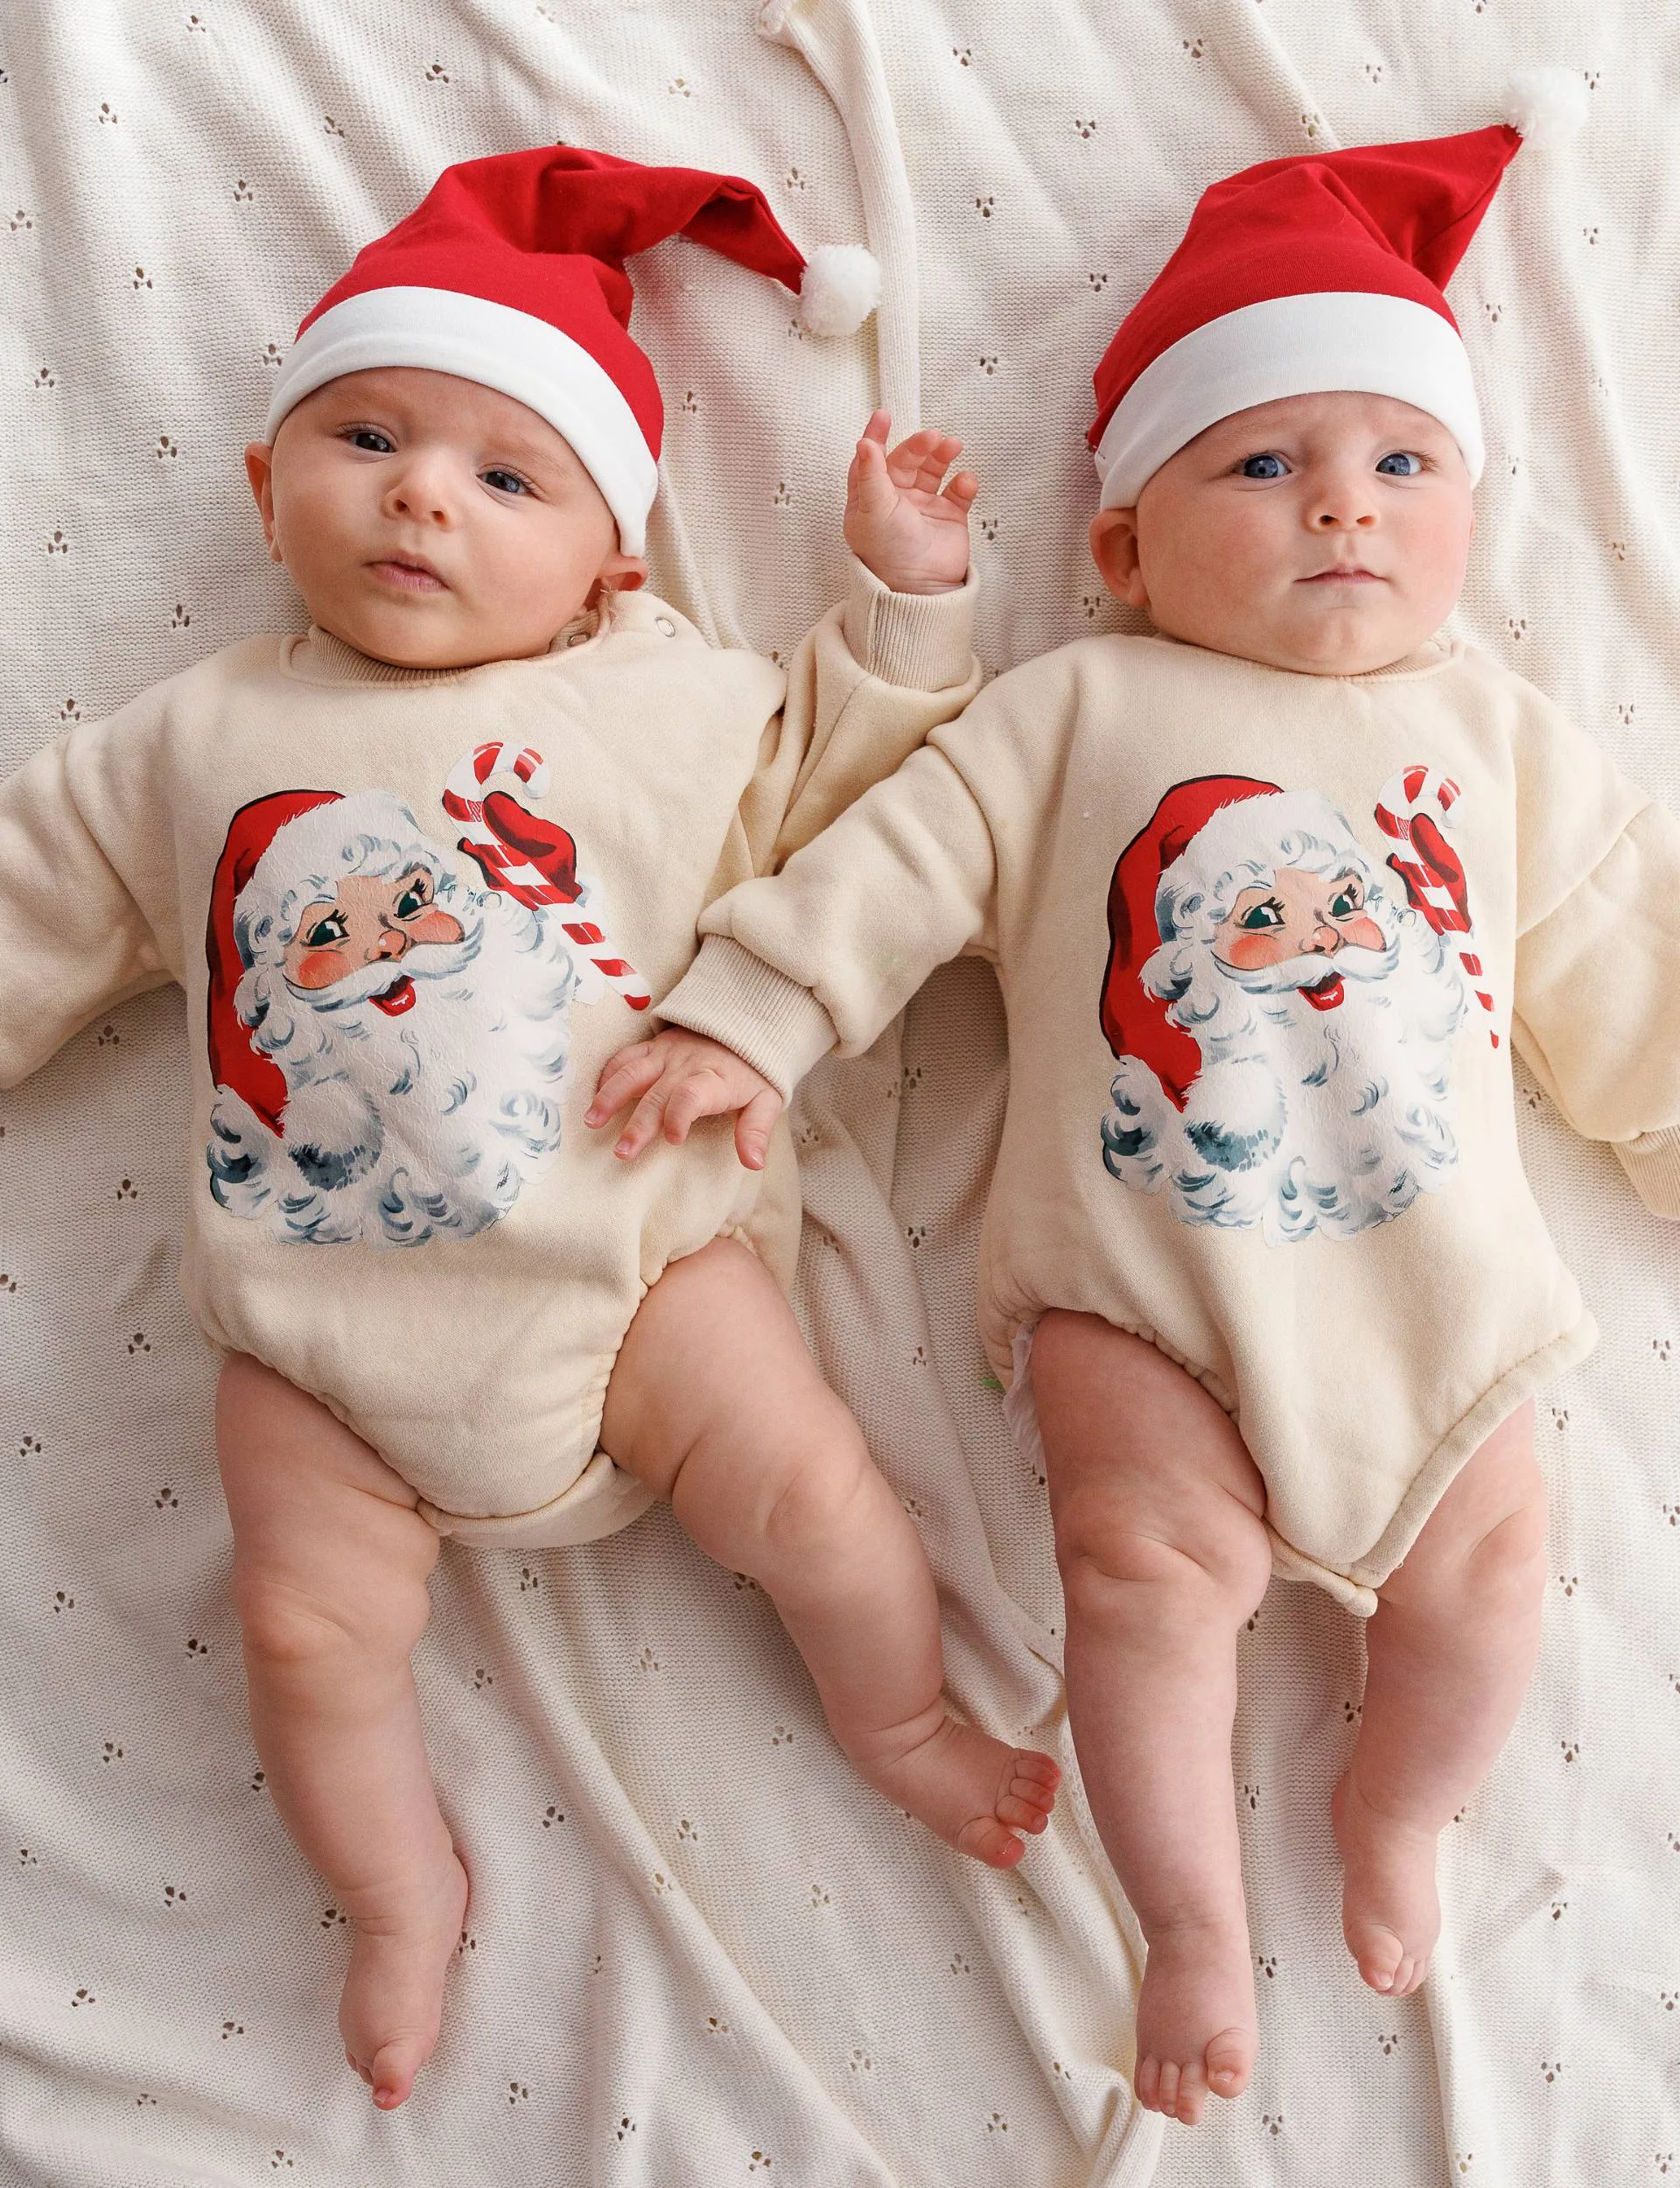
(841, 288)
(1547, 105)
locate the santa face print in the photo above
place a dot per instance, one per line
(387, 1038)
(1283, 1009)
(1298, 914)
(368, 921)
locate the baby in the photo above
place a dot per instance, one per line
(1271, 894)
(441, 852)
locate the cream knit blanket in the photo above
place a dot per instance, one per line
(699, 1952)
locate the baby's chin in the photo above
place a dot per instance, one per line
(1337, 638)
(415, 636)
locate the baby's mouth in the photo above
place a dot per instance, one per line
(408, 573)
(399, 997)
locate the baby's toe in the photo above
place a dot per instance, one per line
(1230, 2061)
(1380, 1956)
(395, 2066)
(986, 1840)
(1025, 1815)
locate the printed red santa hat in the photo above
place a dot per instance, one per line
(1311, 274)
(1135, 1022)
(510, 273)
(257, 1079)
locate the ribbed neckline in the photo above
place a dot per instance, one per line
(1427, 660)
(319, 657)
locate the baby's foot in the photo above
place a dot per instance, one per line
(977, 1792)
(1196, 2030)
(393, 1995)
(1390, 1914)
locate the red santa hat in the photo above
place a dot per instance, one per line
(1311, 274)
(510, 273)
(1135, 1022)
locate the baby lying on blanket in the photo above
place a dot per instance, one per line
(441, 851)
(1269, 895)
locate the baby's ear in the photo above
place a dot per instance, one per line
(259, 469)
(1114, 549)
(619, 573)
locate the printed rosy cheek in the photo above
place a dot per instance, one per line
(319, 968)
(435, 927)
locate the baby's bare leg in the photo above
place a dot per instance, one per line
(717, 1403)
(331, 1561)
(1156, 1506)
(1449, 1653)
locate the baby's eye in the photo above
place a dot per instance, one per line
(375, 443)
(1400, 463)
(504, 481)
(1270, 914)
(326, 931)
(1263, 467)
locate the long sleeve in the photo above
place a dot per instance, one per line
(876, 674)
(1597, 956)
(840, 940)
(86, 885)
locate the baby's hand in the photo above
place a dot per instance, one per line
(899, 522)
(677, 1078)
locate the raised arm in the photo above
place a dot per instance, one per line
(893, 660)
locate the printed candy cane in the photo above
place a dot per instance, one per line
(539, 869)
(1413, 807)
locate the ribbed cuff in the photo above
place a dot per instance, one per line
(1652, 1162)
(730, 996)
(924, 640)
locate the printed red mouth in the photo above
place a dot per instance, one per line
(399, 997)
(1326, 994)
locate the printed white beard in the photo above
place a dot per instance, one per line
(402, 1128)
(1300, 1119)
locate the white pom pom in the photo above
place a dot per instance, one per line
(841, 288)
(1547, 105)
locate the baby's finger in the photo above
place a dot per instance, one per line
(870, 487)
(624, 1077)
(962, 490)
(879, 425)
(701, 1095)
(907, 463)
(753, 1126)
(643, 1126)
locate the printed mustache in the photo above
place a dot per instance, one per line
(1352, 962)
(421, 961)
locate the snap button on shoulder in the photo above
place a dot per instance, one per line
(664, 623)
